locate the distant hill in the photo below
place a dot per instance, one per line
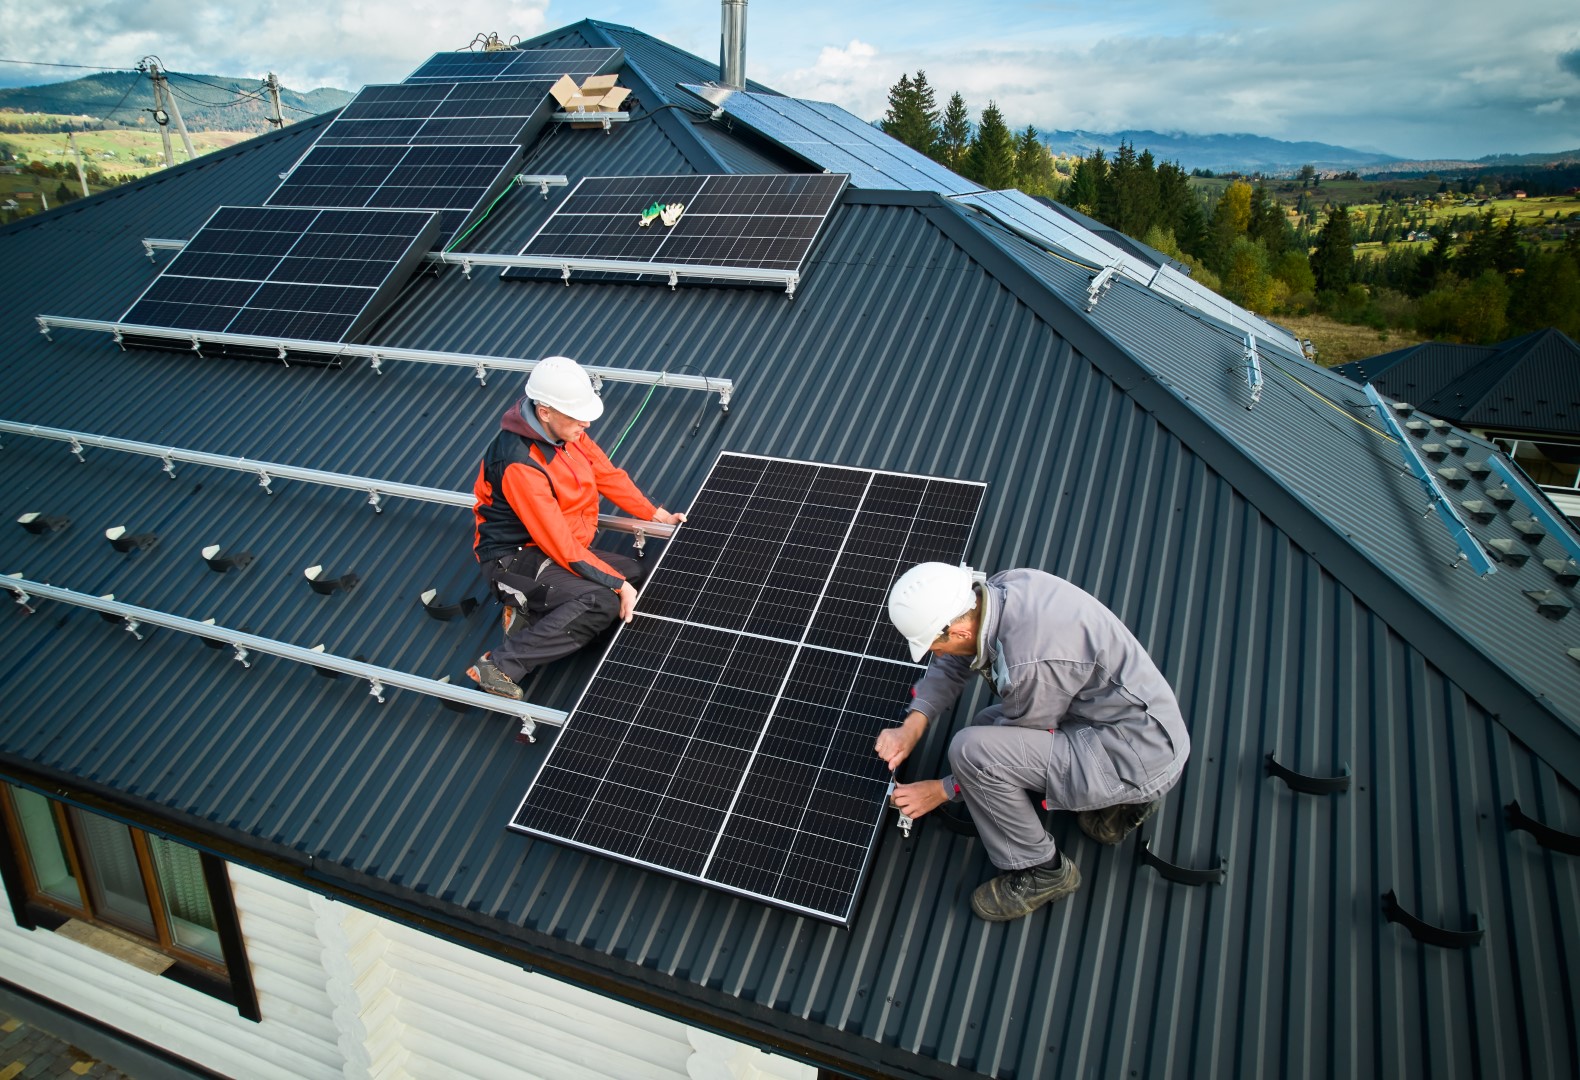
(1220, 153)
(207, 102)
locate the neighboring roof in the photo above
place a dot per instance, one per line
(1271, 555)
(1526, 384)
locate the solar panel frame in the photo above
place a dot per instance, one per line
(711, 750)
(833, 139)
(517, 64)
(440, 113)
(320, 274)
(769, 222)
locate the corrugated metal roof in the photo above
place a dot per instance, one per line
(1529, 383)
(1118, 455)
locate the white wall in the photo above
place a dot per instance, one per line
(348, 994)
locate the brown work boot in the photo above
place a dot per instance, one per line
(1112, 824)
(1020, 892)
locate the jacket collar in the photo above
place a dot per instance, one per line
(990, 606)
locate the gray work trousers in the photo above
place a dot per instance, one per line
(563, 611)
(1001, 767)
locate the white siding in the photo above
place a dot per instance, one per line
(348, 994)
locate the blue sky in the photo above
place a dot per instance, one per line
(1416, 78)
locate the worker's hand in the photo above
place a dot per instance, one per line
(664, 517)
(895, 744)
(914, 800)
(627, 594)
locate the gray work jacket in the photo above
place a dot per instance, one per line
(1058, 659)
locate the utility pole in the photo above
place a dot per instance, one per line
(76, 154)
(165, 108)
(272, 84)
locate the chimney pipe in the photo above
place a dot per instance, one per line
(732, 45)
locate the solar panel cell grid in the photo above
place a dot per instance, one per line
(714, 743)
(510, 64)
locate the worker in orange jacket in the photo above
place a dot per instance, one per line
(537, 509)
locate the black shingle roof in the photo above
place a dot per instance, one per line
(1274, 560)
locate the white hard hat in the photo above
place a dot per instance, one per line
(560, 383)
(926, 599)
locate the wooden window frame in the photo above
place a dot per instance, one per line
(229, 980)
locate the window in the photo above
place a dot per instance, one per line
(82, 869)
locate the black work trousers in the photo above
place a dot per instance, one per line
(561, 611)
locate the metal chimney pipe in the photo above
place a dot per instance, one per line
(732, 45)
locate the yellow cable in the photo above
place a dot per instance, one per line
(1335, 407)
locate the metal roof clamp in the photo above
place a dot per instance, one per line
(1100, 285)
(197, 344)
(22, 598)
(639, 541)
(445, 612)
(264, 480)
(674, 279)
(149, 248)
(1183, 875)
(132, 627)
(724, 398)
(482, 373)
(119, 338)
(76, 448)
(466, 268)
(170, 465)
(376, 689)
(565, 274)
(597, 382)
(281, 355)
(43, 326)
(1428, 934)
(373, 500)
(241, 655)
(791, 281)
(377, 363)
(529, 729)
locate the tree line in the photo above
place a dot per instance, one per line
(1481, 281)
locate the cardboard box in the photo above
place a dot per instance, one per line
(564, 90)
(599, 84)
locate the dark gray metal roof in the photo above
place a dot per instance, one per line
(1527, 384)
(1273, 561)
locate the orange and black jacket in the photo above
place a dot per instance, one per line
(534, 493)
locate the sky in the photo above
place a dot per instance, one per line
(1420, 79)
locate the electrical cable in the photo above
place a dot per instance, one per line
(87, 67)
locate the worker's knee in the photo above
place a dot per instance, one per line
(970, 752)
(601, 607)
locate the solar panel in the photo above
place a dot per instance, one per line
(833, 139)
(455, 180)
(441, 112)
(509, 64)
(765, 222)
(294, 273)
(727, 735)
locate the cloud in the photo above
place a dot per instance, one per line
(849, 76)
(308, 43)
(1546, 107)
(1570, 62)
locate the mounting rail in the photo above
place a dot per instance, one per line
(1469, 550)
(1557, 527)
(245, 645)
(269, 471)
(378, 355)
(675, 272)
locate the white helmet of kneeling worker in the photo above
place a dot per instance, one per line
(926, 599)
(560, 383)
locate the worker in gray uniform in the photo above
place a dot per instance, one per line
(1084, 719)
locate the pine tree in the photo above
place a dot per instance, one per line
(1034, 173)
(991, 159)
(954, 135)
(913, 115)
(1333, 261)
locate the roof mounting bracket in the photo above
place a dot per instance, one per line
(482, 373)
(445, 612)
(377, 363)
(1548, 837)
(544, 182)
(376, 689)
(373, 501)
(1183, 875)
(22, 597)
(1307, 784)
(170, 465)
(241, 655)
(1560, 530)
(224, 564)
(1253, 370)
(1428, 934)
(674, 280)
(328, 586)
(76, 448)
(466, 268)
(132, 627)
(149, 248)
(1100, 284)
(37, 523)
(264, 480)
(43, 327)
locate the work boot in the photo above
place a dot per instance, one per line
(1112, 824)
(490, 678)
(1020, 892)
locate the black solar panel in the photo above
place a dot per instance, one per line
(547, 64)
(442, 113)
(455, 180)
(767, 222)
(720, 740)
(316, 274)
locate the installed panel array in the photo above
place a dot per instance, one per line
(727, 736)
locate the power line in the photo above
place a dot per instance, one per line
(86, 67)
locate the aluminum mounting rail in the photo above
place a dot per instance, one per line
(378, 355)
(1470, 550)
(243, 646)
(268, 471)
(1557, 527)
(673, 271)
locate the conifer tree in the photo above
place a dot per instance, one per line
(913, 114)
(954, 135)
(1034, 173)
(991, 159)
(1333, 260)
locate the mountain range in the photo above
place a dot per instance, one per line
(207, 102)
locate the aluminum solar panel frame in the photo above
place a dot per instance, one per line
(454, 180)
(318, 274)
(731, 227)
(830, 138)
(517, 64)
(727, 735)
(442, 113)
